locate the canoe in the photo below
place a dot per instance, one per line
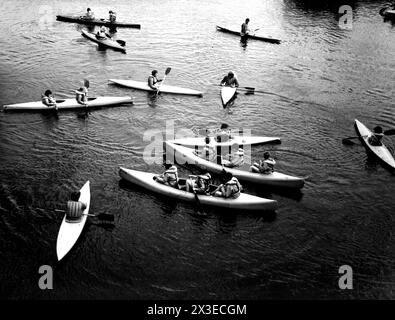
(227, 94)
(276, 179)
(250, 36)
(238, 140)
(107, 43)
(243, 202)
(387, 13)
(140, 85)
(68, 104)
(101, 22)
(380, 151)
(70, 231)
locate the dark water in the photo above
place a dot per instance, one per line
(317, 81)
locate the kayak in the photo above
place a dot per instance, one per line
(249, 36)
(70, 231)
(140, 85)
(387, 13)
(380, 151)
(243, 202)
(67, 104)
(108, 43)
(101, 22)
(276, 179)
(238, 140)
(227, 94)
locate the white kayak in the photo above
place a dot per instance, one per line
(380, 151)
(243, 202)
(66, 104)
(234, 140)
(227, 94)
(276, 179)
(107, 42)
(140, 85)
(70, 231)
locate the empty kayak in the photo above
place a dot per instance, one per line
(101, 22)
(67, 104)
(227, 94)
(140, 85)
(380, 151)
(238, 140)
(243, 202)
(276, 179)
(250, 36)
(70, 231)
(107, 42)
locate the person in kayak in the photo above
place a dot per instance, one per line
(102, 33)
(244, 28)
(230, 80)
(375, 138)
(81, 95)
(230, 189)
(48, 99)
(233, 160)
(199, 184)
(224, 133)
(266, 166)
(208, 150)
(169, 177)
(153, 80)
(75, 207)
(89, 15)
(112, 16)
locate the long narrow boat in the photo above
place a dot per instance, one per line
(250, 36)
(140, 85)
(276, 179)
(234, 140)
(243, 202)
(107, 42)
(98, 22)
(380, 151)
(70, 231)
(68, 104)
(227, 95)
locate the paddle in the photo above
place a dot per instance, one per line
(166, 73)
(102, 216)
(199, 205)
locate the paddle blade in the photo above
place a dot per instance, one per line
(86, 83)
(121, 42)
(389, 132)
(167, 71)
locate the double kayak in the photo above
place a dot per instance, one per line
(106, 42)
(243, 202)
(380, 151)
(276, 179)
(69, 104)
(96, 22)
(140, 85)
(234, 140)
(249, 36)
(70, 231)
(227, 95)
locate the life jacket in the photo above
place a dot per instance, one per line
(84, 94)
(374, 141)
(75, 209)
(47, 100)
(244, 28)
(113, 17)
(171, 176)
(154, 79)
(232, 188)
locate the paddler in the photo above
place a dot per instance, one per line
(234, 160)
(75, 207)
(224, 133)
(102, 33)
(375, 138)
(153, 80)
(231, 188)
(81, 95)
(199, 184)
(89, 15)
(112, 16)
(169, 177)
(208, 151)
(244, 28)
(48, 99)
(265, 166)
(230, 80)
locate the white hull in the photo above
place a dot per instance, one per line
(236, 140)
